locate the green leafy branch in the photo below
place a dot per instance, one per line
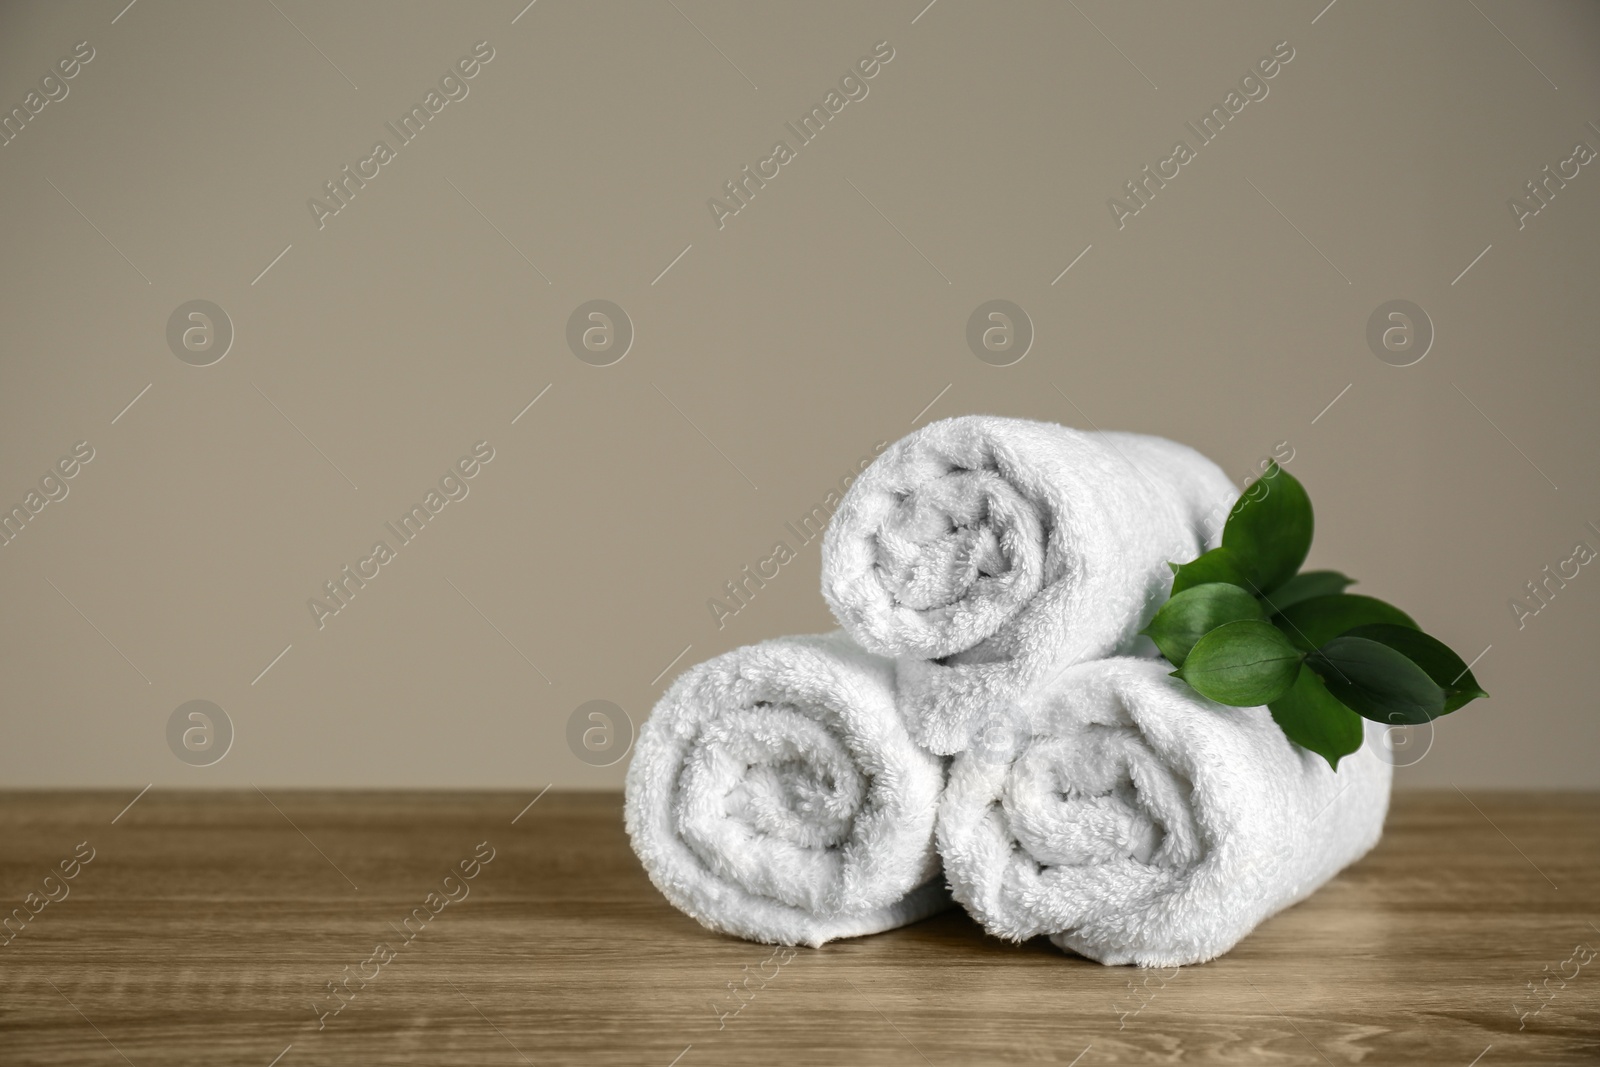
(1246, 627)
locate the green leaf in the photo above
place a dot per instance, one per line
(1435, 657)
(1269, 531)
(1244, 664)
(1306, 585)
(1189, 615)
(1377, 682)
(1310, 717)
(1218, 565)
(1312, 623)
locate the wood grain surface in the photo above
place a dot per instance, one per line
(207, 928)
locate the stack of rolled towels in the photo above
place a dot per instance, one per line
(989, 726)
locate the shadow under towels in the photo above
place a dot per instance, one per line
(774, 794)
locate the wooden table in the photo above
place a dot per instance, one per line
(207, 928)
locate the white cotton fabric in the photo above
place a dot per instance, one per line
(986, 553)
(775, 795)
(1135, 821)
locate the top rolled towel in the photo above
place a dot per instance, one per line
(1135, 821)
(775, 795)
(986, 553)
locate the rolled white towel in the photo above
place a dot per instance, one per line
(1135, 821)
(985, 553)
(774, 794)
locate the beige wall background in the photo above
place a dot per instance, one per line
(372, 352)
